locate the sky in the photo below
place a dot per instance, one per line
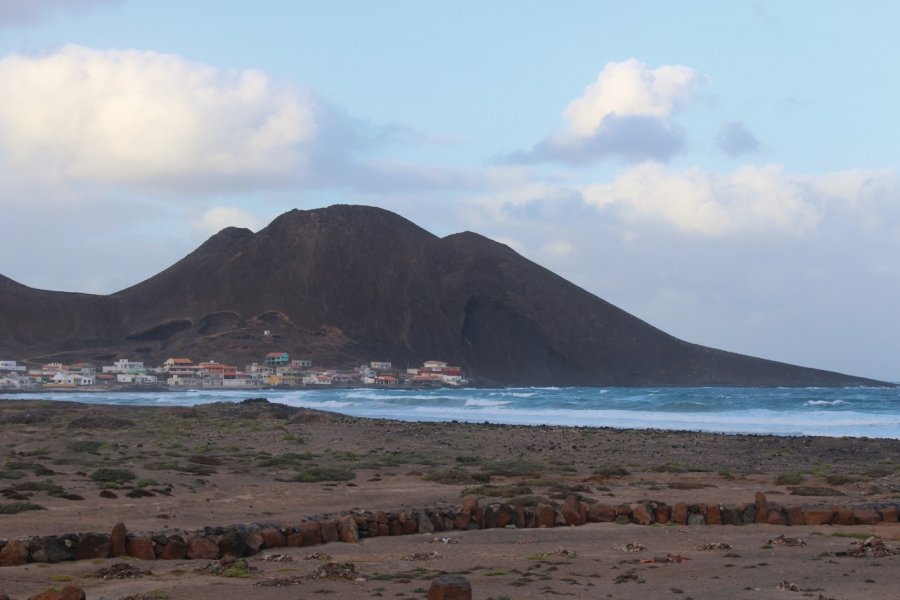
(726, 171)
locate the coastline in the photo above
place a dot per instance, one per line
(226, 463)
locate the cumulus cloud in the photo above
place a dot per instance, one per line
(154, 119)
(735, 140)
(750, 199)
(626, 113)
(27, 12)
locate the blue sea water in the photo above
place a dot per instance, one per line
(860, 412)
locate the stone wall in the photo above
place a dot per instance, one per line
(244, 540)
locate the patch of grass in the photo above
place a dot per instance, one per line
(668, 467)
(468, 459)
(324, 473)
(145, 482)
(792, 478)
(61, 578)
(11, 474)
(86, 446)
(457, 477)
(608, 470)
(496, 491)
(239, 569)
(36, 468)
(512, 467)
(109, 475)
(285, 460)
(12, 508)
(292, 437)
(725, 474)
(843, 478)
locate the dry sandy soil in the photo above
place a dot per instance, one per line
(185, 468)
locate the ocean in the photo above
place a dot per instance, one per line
(859, 412)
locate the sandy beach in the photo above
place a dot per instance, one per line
(84, 468)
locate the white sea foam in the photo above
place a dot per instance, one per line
(486, 403)
(824, 402)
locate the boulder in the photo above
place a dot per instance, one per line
(601, 513)
(14, 553)
(544, 515)
(273, 537)
(819, 515)
(253, 538)
(92, 545)
(232, 543)
(795, 515)
(731, 515)
(426, 525)
(762, 508)
(888, 514)
(749, 515)
(641, 513)
(175, 548)
(409, 526)
(663, 514)
(52, 548)
(776, 516)
(844, 516)
(311, 533)
(203, 547)
(450, 587)
(713, 514)
(503, 515)
(348, 530)
(695, 518)
(328, 531)
(571, 511)
(866, 516)
(680, 513)
(141, 547)
(117, 540)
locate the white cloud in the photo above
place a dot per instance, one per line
(219, 217)
(629, 89)
(126, 116)
(748, 200)
(626, 113)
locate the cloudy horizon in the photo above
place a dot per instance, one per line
(727, 173)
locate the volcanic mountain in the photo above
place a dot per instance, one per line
(349, 284)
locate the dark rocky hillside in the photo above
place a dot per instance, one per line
(346, 284)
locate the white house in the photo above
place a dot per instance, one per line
(10, 365)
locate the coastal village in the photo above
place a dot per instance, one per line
(277, 369)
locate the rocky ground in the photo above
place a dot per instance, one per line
(66, 467)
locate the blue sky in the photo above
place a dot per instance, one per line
(727, 171)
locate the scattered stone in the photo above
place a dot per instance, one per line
(450, 587)
(278, 558)
(787, 586)
(119, 571)
(630, 547)
(714, 546)
(318, 556)
(280, 581)
(783, 540)
(665, 560)
(873, 547)
(444, 540)
(421, 556)
(564, 552)
(337, 570)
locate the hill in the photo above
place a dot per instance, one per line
(346, 284)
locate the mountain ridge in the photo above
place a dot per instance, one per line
(349, 283)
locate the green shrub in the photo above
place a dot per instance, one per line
(108, 475)
(792, 478)
(325, 473)
(12, 508)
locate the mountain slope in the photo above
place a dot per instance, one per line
(346, 284)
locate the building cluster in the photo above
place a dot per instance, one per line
(276, 370)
